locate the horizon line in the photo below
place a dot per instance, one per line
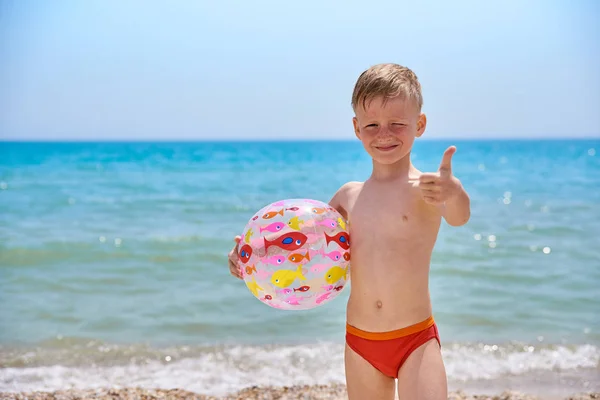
(283, 140)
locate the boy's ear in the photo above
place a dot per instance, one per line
(421, 124)
(356, 129)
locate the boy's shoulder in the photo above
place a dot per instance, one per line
(340, 199)
(348, 189)
(352, 185)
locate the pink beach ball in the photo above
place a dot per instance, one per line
(295, 254)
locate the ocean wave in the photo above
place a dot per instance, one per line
(222, 369)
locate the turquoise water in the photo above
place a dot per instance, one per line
(113, 258)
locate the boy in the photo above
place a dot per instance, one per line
(394, 218)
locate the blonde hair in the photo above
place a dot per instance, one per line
(388, 81)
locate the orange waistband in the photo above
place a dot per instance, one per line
(395, 334)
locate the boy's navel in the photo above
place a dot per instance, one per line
(405, 218)
(379, 304)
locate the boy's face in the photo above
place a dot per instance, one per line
(388, 131)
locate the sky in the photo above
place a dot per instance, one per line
(244, 70)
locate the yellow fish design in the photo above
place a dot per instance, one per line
(285, 277)
(295, 223)
(342, 223)
(253, 286)
(335, 273)
(248, 236)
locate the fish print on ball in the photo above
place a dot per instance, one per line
(295, 254)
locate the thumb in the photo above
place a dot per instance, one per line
(446, 164)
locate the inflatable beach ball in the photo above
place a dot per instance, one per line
(295, 254)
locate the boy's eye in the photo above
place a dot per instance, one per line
(398, 124)
(371, 126)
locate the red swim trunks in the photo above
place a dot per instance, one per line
(387, 351)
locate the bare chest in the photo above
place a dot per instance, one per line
(390, 216)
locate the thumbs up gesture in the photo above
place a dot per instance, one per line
(438, 187)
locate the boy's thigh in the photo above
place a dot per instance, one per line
(363, 381)
(423, 375)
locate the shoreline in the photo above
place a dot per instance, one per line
(295, 392)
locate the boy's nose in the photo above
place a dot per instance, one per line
(383, 131)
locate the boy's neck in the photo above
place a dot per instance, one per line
(400, 170)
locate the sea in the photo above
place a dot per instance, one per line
(113, 265)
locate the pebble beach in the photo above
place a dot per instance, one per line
(306, 392)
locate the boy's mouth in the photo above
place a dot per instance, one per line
(386, 148)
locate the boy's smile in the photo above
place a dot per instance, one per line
(386, 148)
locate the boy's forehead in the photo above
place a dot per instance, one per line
(397, 106)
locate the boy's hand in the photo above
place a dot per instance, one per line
(438, 187)
(234, 269)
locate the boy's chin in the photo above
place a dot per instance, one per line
(387, 161)
(388, 158)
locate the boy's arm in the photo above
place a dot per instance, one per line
(444, 190)
(339, 201)
(456, 210)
